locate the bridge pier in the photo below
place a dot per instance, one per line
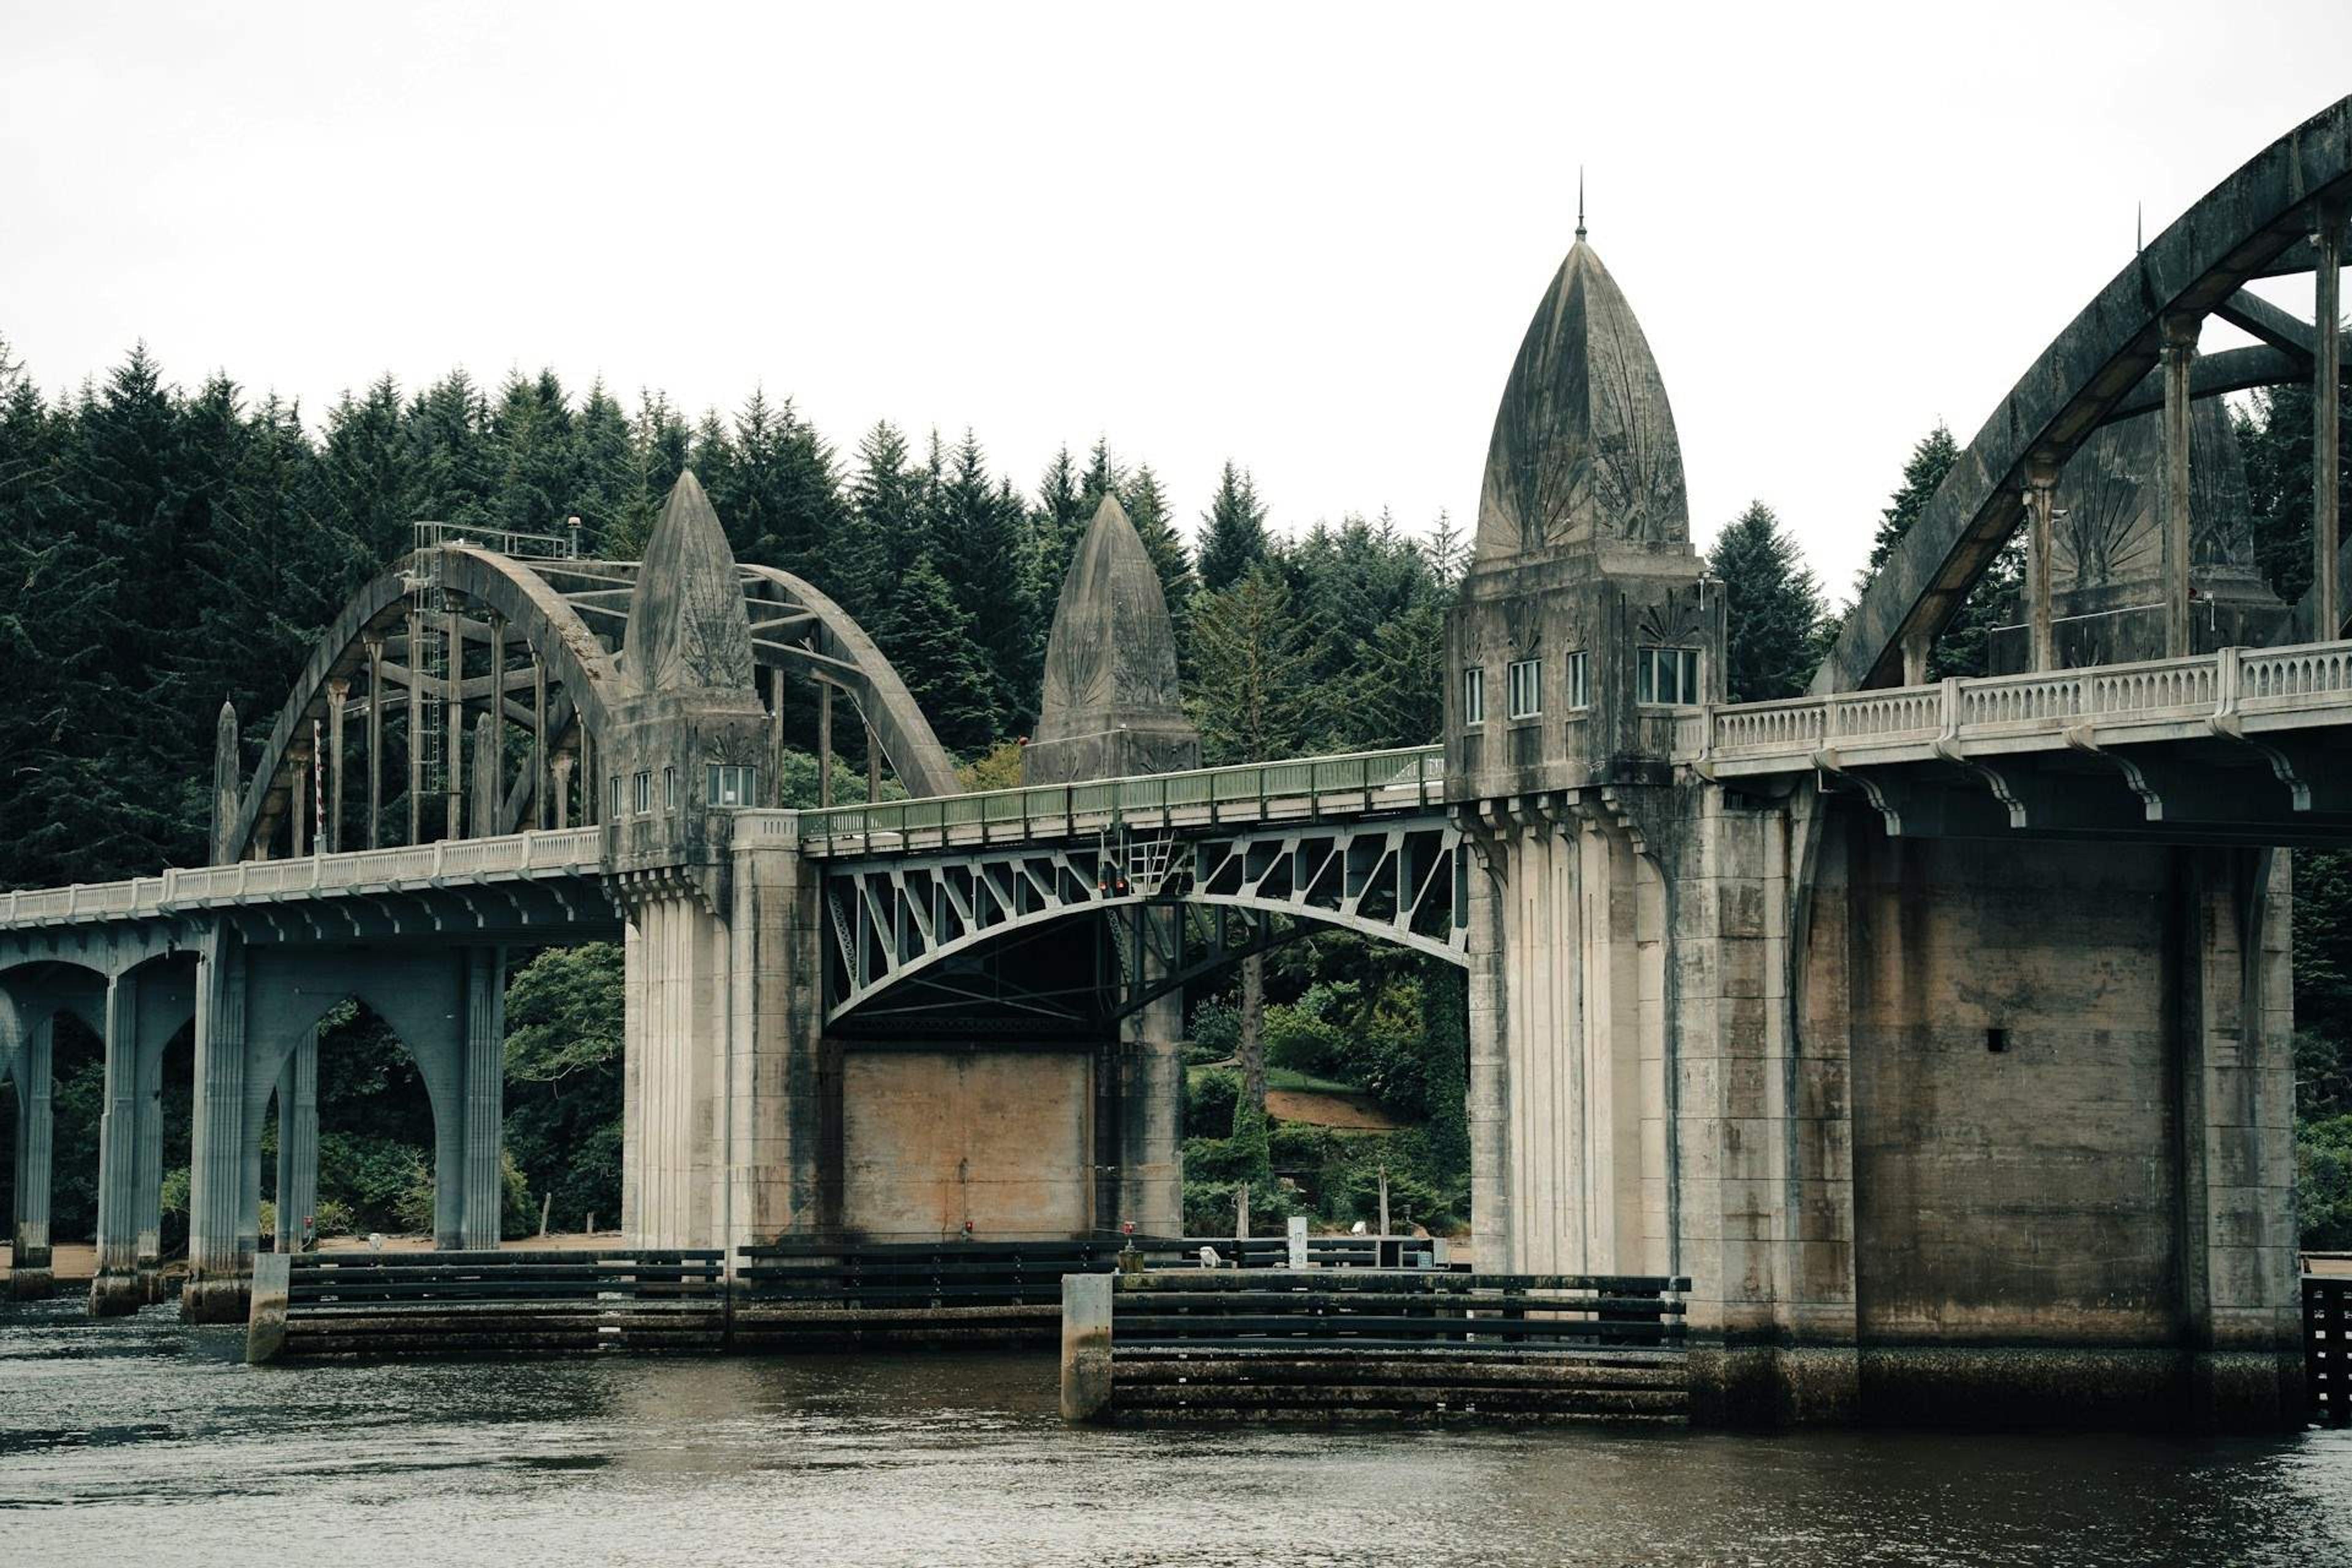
(114, 1283)
(298, 1143)
(29, 1276)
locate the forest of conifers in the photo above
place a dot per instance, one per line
(165, 547)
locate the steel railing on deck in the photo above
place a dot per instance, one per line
(1307, 787)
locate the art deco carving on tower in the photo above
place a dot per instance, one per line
(687, 627)
(1111, 705)
(2108, 495)
(1584, 448)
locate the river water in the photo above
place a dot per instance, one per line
(140, 1440)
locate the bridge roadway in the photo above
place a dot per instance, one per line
(2271, 705)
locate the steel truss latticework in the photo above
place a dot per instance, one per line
(1394, 878)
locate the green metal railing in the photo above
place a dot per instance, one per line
(1411, 777)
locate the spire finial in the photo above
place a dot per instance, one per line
(2139, 226)
(1580, 200)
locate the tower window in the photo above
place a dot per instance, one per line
(1665, 675)
(1580, 680)
(1474, 695)
(615, 812)
(1526, 688)
(642, 789)
(730, 786)
(669, 789)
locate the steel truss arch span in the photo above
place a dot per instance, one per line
(1396, 878)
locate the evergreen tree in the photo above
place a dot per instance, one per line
(928, 640)
(1147, 507)
(1232, 535)
(367, 472)
(1773, 605)
(530, 435)
(448, 467)
(775, 490)
(980, 546)
(2275, 436)
(603, 465)
(886, 537)
(1252, 656)
(1964, 646)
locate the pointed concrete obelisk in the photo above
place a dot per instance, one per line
(224, 780)
(687, 625)
(1111, 706)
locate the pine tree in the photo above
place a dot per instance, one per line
(449, 466)
(2274, 435)
(1147, 507)
(1252, 659)
(1447, 553)
(603, 465)
(1773, 605)
(531, 446)
(1232, 535)
(776, 493)
(928, 640)
(980, 551)
(886, 534)
(1964, 646)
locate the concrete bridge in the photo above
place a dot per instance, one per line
(1938, 1031)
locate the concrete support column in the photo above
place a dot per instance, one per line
(675, 1119)
(416, 727)
(331, 832)
(2327, 430)
(114, 1287)
(298, 804)
(297, 1144)
(563, 763)
(375, 741)
(824, 744)
(773, 1145)
(1490, 1177)
(221, 1225)
(453, 763)
(148, 1192)
(2040, 488)
(1150, 1188)
(2241, 1304)
(538, 758)
(1914, 659)
(2172, 496)
(485, 1079)
(29, 1274)
(489, 796)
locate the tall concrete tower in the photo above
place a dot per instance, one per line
(1585, 619)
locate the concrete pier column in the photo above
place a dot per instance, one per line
(331, 831)
(538, 758)
(2326, 392)
(114, 1287)
(29, 1273)
(416, 727)
(222, 1224)
(375, 742)
(563, 763)
(1490, 1219)
(147, 1197)
(453, 763)
(2040, 488)
(2172, 496)
(1150, 1186)
(485, 1079)
(488, 795)
(298, 1143)
(298, 805)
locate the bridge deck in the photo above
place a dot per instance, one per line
(2236, 694)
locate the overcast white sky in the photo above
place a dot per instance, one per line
(1307, 238)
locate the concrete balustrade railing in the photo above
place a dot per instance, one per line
(2157, 700)
(571, 851)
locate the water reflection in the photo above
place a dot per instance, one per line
(122, 1440)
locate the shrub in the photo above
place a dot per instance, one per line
(1210, 1095)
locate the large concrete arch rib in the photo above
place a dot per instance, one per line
(2238, 232)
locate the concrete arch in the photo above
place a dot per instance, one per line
(2253, 224)
(522, 597)
(806, 631)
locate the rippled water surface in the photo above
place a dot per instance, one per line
(139, 1439)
